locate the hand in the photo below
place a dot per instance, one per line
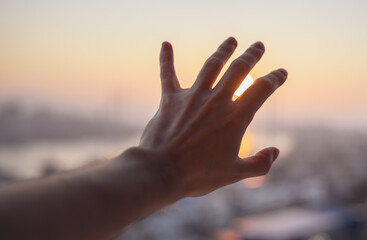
(198, 131)
(189, 148)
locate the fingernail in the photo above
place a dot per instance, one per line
(166, 45)
(232, 41)
(282, 70)
(259, 45)
(275, 153)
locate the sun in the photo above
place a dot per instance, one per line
(244, 85)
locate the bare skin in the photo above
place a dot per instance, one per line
(189, 148)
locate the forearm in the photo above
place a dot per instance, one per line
(94, 203)
(190, 149)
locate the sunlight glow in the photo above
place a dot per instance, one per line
(254, 182)
(247, 144)
(244, 85)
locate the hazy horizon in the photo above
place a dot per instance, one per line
(86, 56)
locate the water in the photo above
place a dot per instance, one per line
(29, 160)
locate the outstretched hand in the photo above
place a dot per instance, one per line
(189, 148)
(199, 130)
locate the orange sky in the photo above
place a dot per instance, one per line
(94, 54)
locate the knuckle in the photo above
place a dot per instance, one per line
(240, 64)
(165, 63)
(236, 121)
(225, 49)
(267, 84)
(166, 69)
(191, 99)
(279, 78)
(167, 101)
(256, 51)
(165, 74)
(215, 62)
(276, 77)
(251, 59)
(277, 74)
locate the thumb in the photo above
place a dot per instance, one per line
(258, 164)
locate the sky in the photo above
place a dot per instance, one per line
(94, 55)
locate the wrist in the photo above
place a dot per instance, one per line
(155, 169)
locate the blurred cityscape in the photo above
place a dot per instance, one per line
(316, 190)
